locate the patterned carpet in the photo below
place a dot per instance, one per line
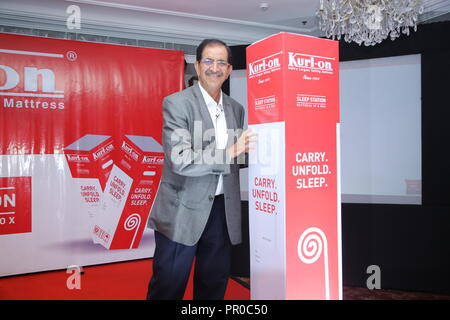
(355, 293)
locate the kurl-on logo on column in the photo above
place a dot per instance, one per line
(310, 63)
(15, 205)
(264, 65)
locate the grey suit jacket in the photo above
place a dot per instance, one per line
(192, 166)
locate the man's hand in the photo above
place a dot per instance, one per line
(243, 144)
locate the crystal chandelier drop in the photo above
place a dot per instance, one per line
(368, 21)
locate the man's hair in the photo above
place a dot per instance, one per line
(213, 42)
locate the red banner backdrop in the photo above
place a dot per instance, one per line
(70, 111)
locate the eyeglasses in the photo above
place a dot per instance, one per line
(220, 63)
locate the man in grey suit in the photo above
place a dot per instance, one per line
(197, 211)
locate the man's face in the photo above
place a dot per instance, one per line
(212, 76)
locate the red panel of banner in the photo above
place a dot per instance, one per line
(55, 91)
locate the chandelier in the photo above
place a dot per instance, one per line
(368, 21)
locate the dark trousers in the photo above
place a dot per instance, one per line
(172, 262)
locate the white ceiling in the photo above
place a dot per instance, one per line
(179, 21)
(247, 10)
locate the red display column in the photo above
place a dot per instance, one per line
(294, 181)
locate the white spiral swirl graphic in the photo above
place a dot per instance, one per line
(310, 246)
(131, 223)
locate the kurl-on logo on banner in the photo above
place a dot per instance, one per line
(27, 86)
(15, 205)
(153, 160)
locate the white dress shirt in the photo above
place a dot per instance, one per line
(220, 126)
